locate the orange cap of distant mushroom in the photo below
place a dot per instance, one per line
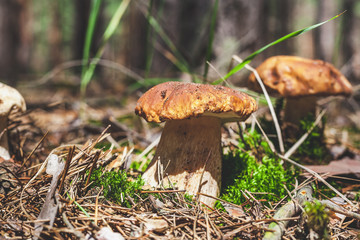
(178, 100)
(291, 76)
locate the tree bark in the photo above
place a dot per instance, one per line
(82, 8)
(9, 39)
(347, 44)
(55, 35)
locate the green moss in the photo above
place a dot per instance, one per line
(117, 186)
(317, 218)
(255, 168)
(357, 197)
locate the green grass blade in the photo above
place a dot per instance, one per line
(249, 58)
(114, 22)
(79, 206)
(211, 37)
(95, 7)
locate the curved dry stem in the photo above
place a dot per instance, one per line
(271, 108)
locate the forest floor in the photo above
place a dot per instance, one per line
(60, 204)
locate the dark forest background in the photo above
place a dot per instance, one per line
(39, 36)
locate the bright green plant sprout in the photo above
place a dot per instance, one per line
(317, 218)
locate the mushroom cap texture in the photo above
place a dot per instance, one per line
(179, 100)
(10, 100)
(291, 76)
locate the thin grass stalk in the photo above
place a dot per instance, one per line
(271, 108)
(249, 58)
(271, 145)
(211, 37)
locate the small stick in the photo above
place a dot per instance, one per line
(162, 191)
(302, 139)
(97, 207)
(289, 209)
(66, 169)
(271, 108)
(96, 157)
(32, 152)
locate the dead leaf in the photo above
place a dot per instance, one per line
(344, 166)
(155, 224)
(48, 212)
(234, 211)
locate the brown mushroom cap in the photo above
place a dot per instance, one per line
(10, 99)
(291, 76)
(178, 100)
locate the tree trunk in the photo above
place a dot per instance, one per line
(55, 35)
(9, 40)
(347, 45)
(82, 8)
(283, 12)
(324, 36)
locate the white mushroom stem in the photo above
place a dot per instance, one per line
(189, 152)
(297, 109)
(4, 145)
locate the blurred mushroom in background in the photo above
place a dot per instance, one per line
(300, 81)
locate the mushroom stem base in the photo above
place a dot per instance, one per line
(189, 155)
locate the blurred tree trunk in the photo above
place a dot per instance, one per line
(187, 24)
(239, 31)
(184, 22)
(55, 35)
(10, 12)
(283, 25)
(318, 47)
(82, 8)
(82, 11)
(347, 44)
(26, 36)
(135, 45)
(324, 36)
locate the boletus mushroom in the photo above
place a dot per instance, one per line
(300, 81)
(10, 101)
(189, 151)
